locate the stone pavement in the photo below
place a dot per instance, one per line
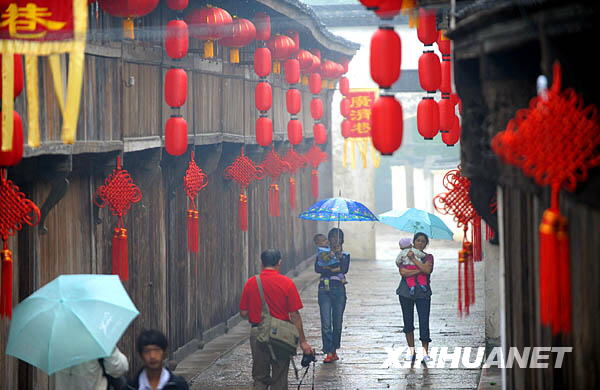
(372, 322)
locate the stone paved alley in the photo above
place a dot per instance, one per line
(372, 321)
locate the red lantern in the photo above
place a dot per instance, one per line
(329, 69)
(387, 9)
(316, 108)
(345, 107)
(177, 39)
(316, 68)
(294, 129)
(344, 86)
(264, 131)
(428, 118)
(385, 58)
(314, 83)
(239, 33)
(14, 156)
(320, 133)
(296, 38)
(346, 128)
(176, 82)
(446, 84)
(293, 101)
(128, 9)
(446, 115)
(292, 71)
(177, 5)
(306, 60)
(18, 75)
(453, 136)
(444, 44)
(263, 96)
(176, 137)
(345, 62)
(430, 75)
(371, 4)
(282, 48)
(263, 26)
(427, 26)
(206, 24)
(262, 61)
(386, 124)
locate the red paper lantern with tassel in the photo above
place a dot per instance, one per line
(239, 33)
(305, 58)
(451, 137)
(320, 133)
(386, 124)
(262, 61)
(386, 49)
(262, 21)
(314, 83)
(16, 211)
(281, 47)
(428, 118)
(176, 82)
(177, 5)
(128, 9)
(177, 39)
(316, 108)
(292, 71)
(427, 31)
(430, 72)
(296, 38)
(263, 96)
(119, 192)
(176, 135)
(18, 75)
(294, 129)
(193, 181)
(293, 101)
(206, 24)
(344, 86)
(264, 131)
(446, 109)
(15, 155)
(444, 44)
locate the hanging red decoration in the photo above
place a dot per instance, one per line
(262, 21)
(239, 33)
(315, 156)
(446, 73)
(262, 61)
(386, 49)
(17, 75)
(244, 171)
(446, 109)
(15, 155)
(119, 192)
(345, 62)
(305, 59)
(371, 4)
(292, 71)
(295, 36)
(345, 106)
(428, 118)
(177, 5)
(293, 101)
(263, 96)
(346, 128)
(281, 47)
(128, 9)
(388, 9)
(193, 181)
(316, 108)
(320, 133)
(430, 72)
(177, 39)
(176, 82)
(450, 138)
(476, 239)
(206, 24)
(386, 124)
(314, 83)
(274, 166)
(316, 67)
(294, 129)
(444, 44)
(295, 162)
(16, 211)
(344, 86)
(427, 31)
(264, 131)
(176, 135)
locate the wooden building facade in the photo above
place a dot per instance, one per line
(189, 297)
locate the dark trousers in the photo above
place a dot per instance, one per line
(332, 304)
(266, 372)
(408, 315)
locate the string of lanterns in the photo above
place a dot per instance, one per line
(263, 93)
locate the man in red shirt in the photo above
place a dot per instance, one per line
(284, 302)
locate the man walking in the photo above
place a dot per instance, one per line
(283, 301)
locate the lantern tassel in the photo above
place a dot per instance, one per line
(548, 266)
(7, 285)
(243, 212)
(274, 209)
(193, 230)
(292, 193)
(234, 55)
(314, 183)
(120, 262)
(477, 249)
(563, 288)
(489, 233)
(128, 29)
(461, 265)
(277, 67)
(209, 49)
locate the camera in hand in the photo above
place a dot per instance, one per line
(307, 359)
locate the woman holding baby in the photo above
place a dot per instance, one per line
(415, 267)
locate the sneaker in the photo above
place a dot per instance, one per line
(412, 290)
(335, 356)
(328, 358)
(410, 357)
(427, 359)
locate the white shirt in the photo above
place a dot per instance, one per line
(403, 259)
(145, 384)
(88, 375)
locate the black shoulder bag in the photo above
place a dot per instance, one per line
(119, 383)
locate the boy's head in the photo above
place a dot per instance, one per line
(152, 347)
(405, 243)
(320, 240)
(270, 257)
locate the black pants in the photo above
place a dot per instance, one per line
(408, 315)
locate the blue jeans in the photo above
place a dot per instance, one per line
(332, 303)
(408, 315)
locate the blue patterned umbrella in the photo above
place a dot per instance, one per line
(338, 209)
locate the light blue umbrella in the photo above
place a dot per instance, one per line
(71, 320)
(415, 220)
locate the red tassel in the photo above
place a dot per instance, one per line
(120, 254)
(461, 265)
(243, 212)
(477, 249)
(563, 289)
(292, 193)
(192, 230)
(7, 285)
(274, 209)
(489, 233)
(548, 266)
(314, 183)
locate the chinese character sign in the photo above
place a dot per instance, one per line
(360, 112)
(42, 28)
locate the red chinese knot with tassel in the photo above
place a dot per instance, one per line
(193, 181)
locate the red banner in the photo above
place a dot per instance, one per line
(37, 20)
(359, 115)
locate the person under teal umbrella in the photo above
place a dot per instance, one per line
(415, 220)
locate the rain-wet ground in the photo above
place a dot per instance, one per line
(372, 323)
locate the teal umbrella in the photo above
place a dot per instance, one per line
(415, 220)
(72, 319)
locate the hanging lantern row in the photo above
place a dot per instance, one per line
(263, 93)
